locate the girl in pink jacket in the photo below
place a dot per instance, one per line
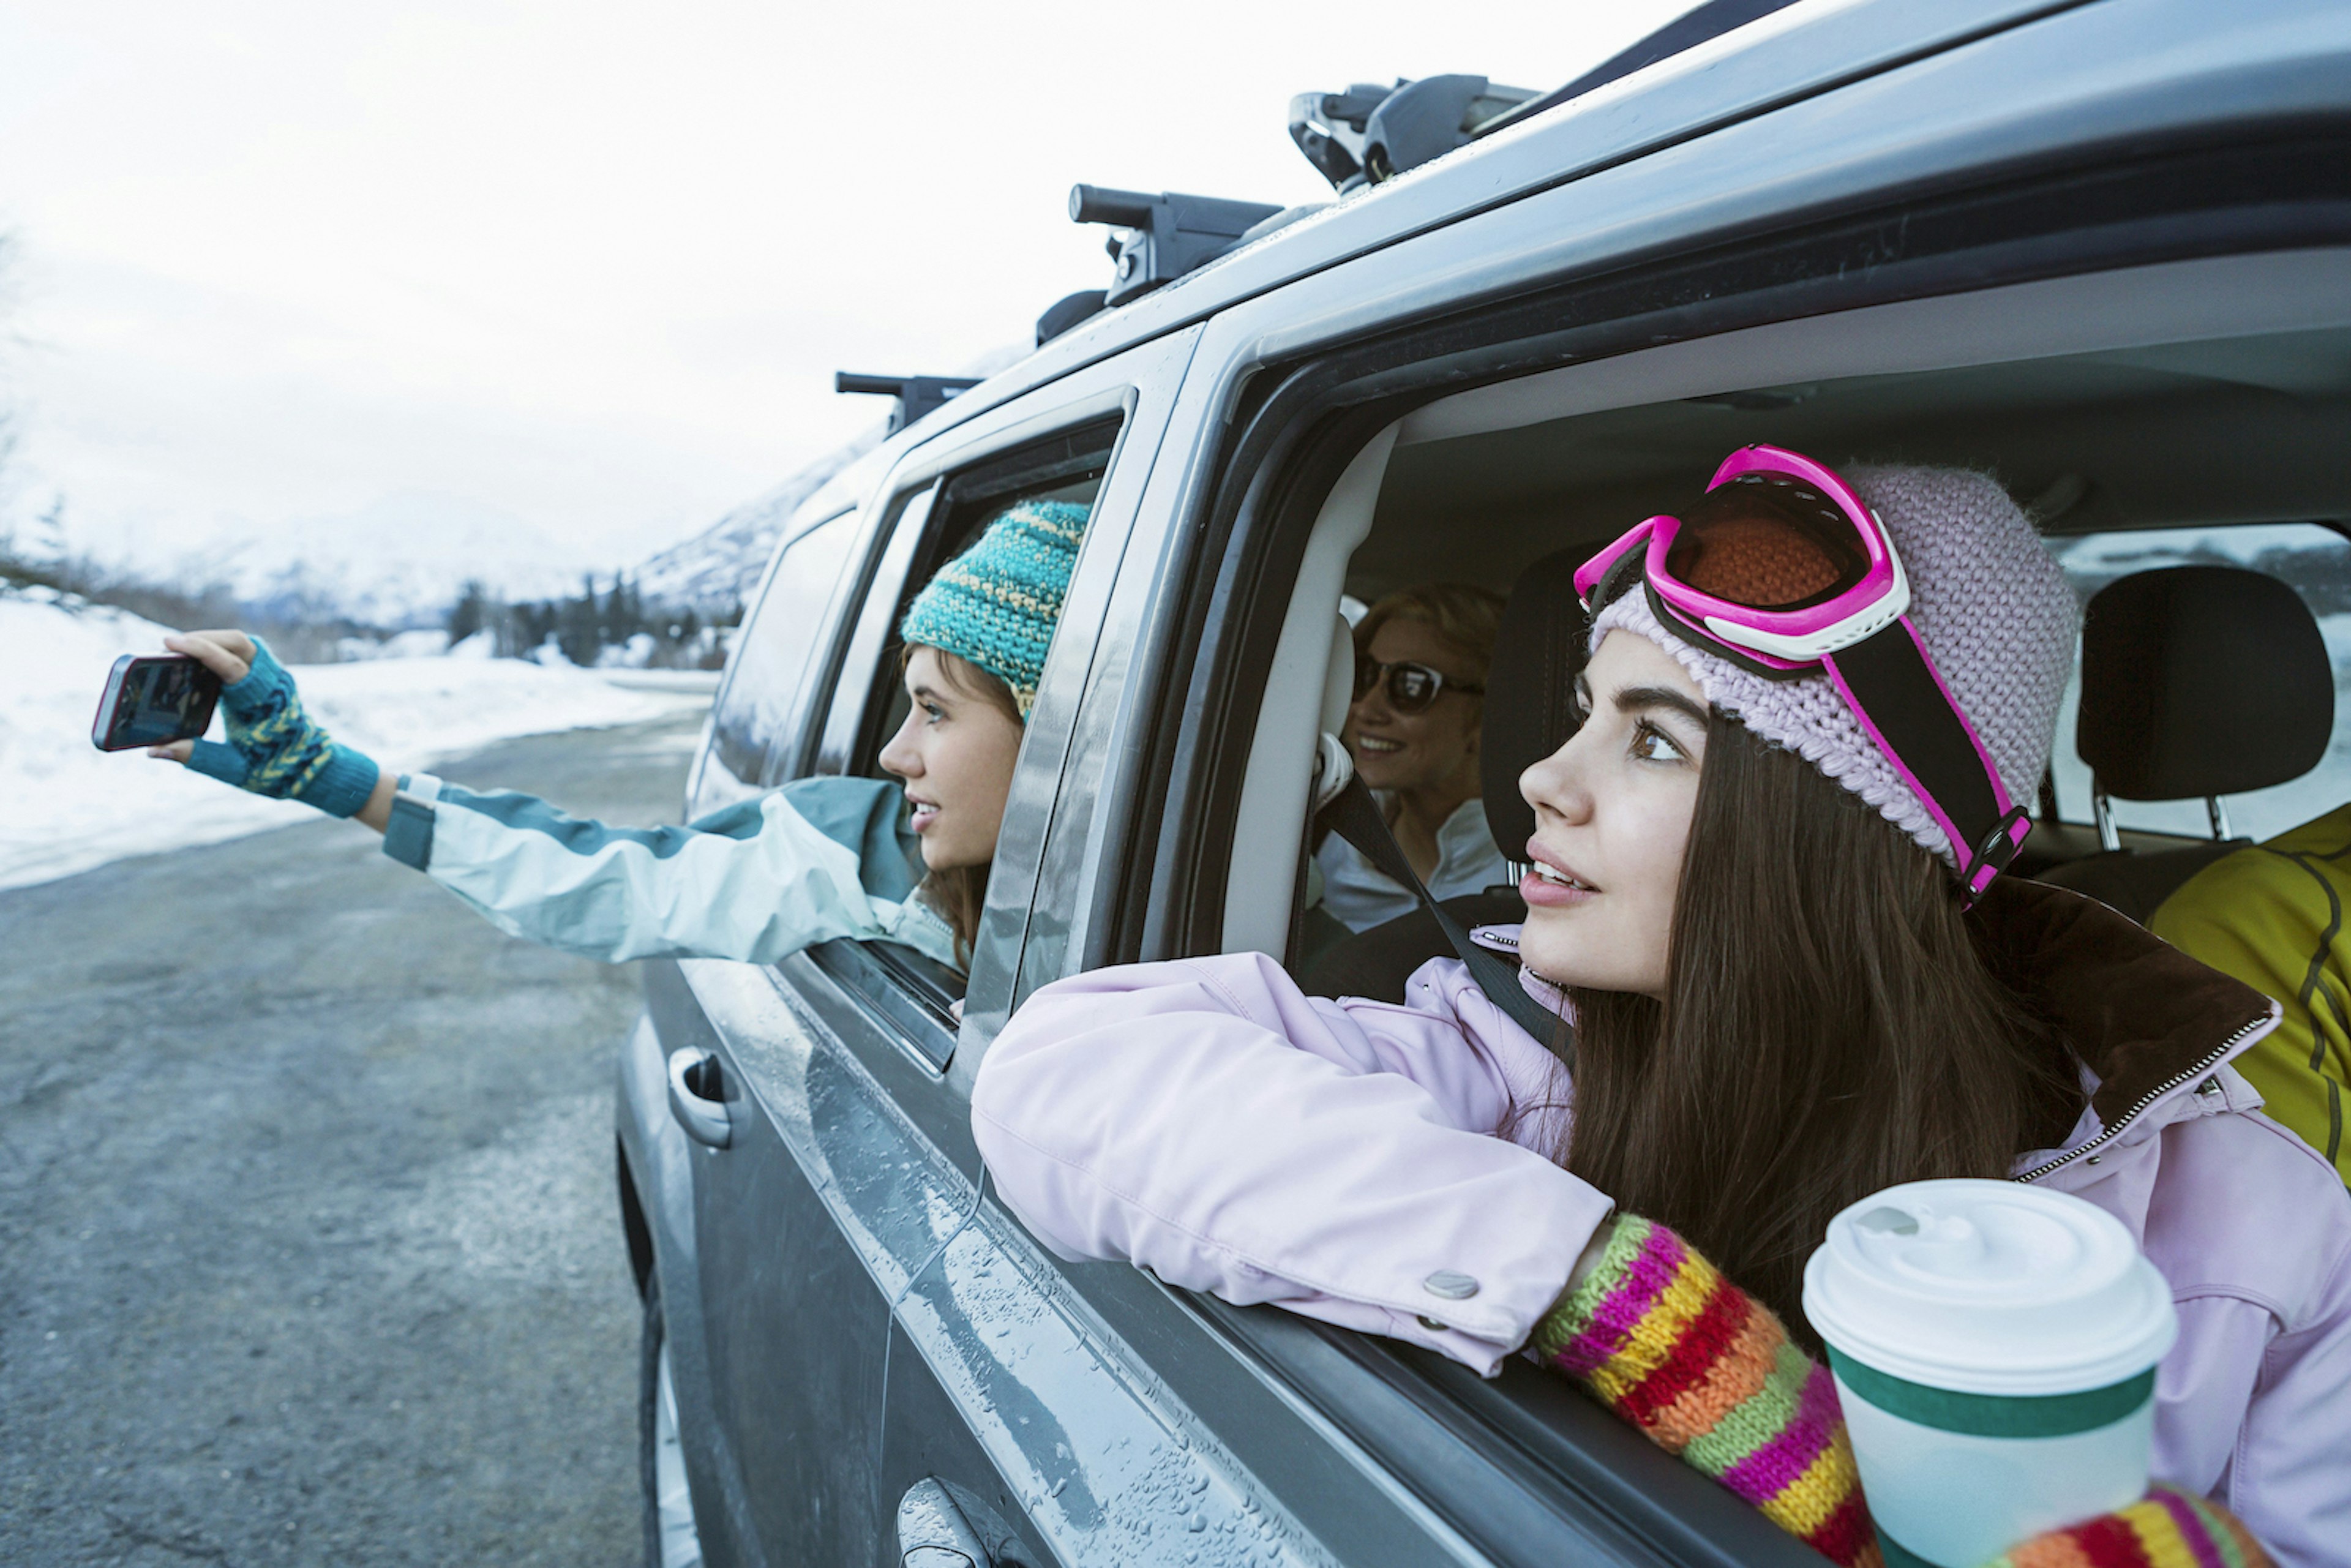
(1767, 893)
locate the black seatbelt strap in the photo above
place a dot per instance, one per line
(1354, 816)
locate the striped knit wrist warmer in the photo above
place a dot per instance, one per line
(2163, 1528)
(1709, 1372)
(277, 750)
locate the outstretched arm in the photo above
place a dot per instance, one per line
(822, 858)
(819, 858)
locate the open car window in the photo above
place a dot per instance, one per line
(2154, 443)
(2076, 440)
(917, 995)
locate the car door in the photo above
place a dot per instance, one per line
(1020, 1430)
(726, 1377)
(845, 1164)
(1128, 1424)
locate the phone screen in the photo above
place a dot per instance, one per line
(153, 700)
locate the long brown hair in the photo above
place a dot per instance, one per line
(1829, 1028)
(960, 892)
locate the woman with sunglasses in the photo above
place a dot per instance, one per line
(1769, 912)
(1412, 733)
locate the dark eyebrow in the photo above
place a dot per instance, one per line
(1633, 700)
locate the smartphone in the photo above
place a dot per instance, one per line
(152, 699)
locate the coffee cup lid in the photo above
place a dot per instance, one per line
(1988, 1287)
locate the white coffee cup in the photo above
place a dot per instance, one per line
(1994, 1347)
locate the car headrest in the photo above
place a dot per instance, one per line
(1339, 676)
(1530, 690)
(2201, 680)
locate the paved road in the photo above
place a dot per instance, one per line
(308, 1249)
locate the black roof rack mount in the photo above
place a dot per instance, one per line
(916, 395)
(1166, 235)
(1370, 133)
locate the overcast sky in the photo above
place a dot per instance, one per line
(591, 267)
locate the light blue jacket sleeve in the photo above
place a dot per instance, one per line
(819, 858)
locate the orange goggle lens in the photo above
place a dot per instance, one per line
(1767, 542)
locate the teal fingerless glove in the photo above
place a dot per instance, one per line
(273, 749)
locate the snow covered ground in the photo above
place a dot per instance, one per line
(65, 807)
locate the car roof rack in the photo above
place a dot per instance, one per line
(1165, 236)
(1370, 133)
(916, 395)
(1161, 238)
(1366, 135)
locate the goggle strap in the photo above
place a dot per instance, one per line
(1892, 685)
(1619, 575)
(1669, 616)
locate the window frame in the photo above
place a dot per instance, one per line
(836, 736)
(927, 521)
(934, 490)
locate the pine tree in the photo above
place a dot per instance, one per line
(579, 630)
(472, 612)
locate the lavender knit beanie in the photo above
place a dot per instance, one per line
(1992, 607)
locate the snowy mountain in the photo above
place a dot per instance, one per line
(401, 561)
(718, 568)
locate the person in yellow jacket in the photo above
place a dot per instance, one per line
(2274, 915)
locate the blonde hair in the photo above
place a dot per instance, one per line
(1466, 618)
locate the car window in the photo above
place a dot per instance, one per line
(755, 712)
(1525, 476)
(868, 702)
(2316, 562)
(887, 708)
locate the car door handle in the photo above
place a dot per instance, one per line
(697, 1097)
(934, 1533)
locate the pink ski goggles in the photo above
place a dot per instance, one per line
(1782, 570)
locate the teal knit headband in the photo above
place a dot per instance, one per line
(997, 603)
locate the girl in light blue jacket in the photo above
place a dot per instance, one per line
(758, 881)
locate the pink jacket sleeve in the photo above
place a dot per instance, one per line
(2276, 1471)
(1207, 1121)
(2254, 1402)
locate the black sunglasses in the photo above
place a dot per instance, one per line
(1411, 687)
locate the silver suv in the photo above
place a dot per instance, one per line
(2102, 247)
